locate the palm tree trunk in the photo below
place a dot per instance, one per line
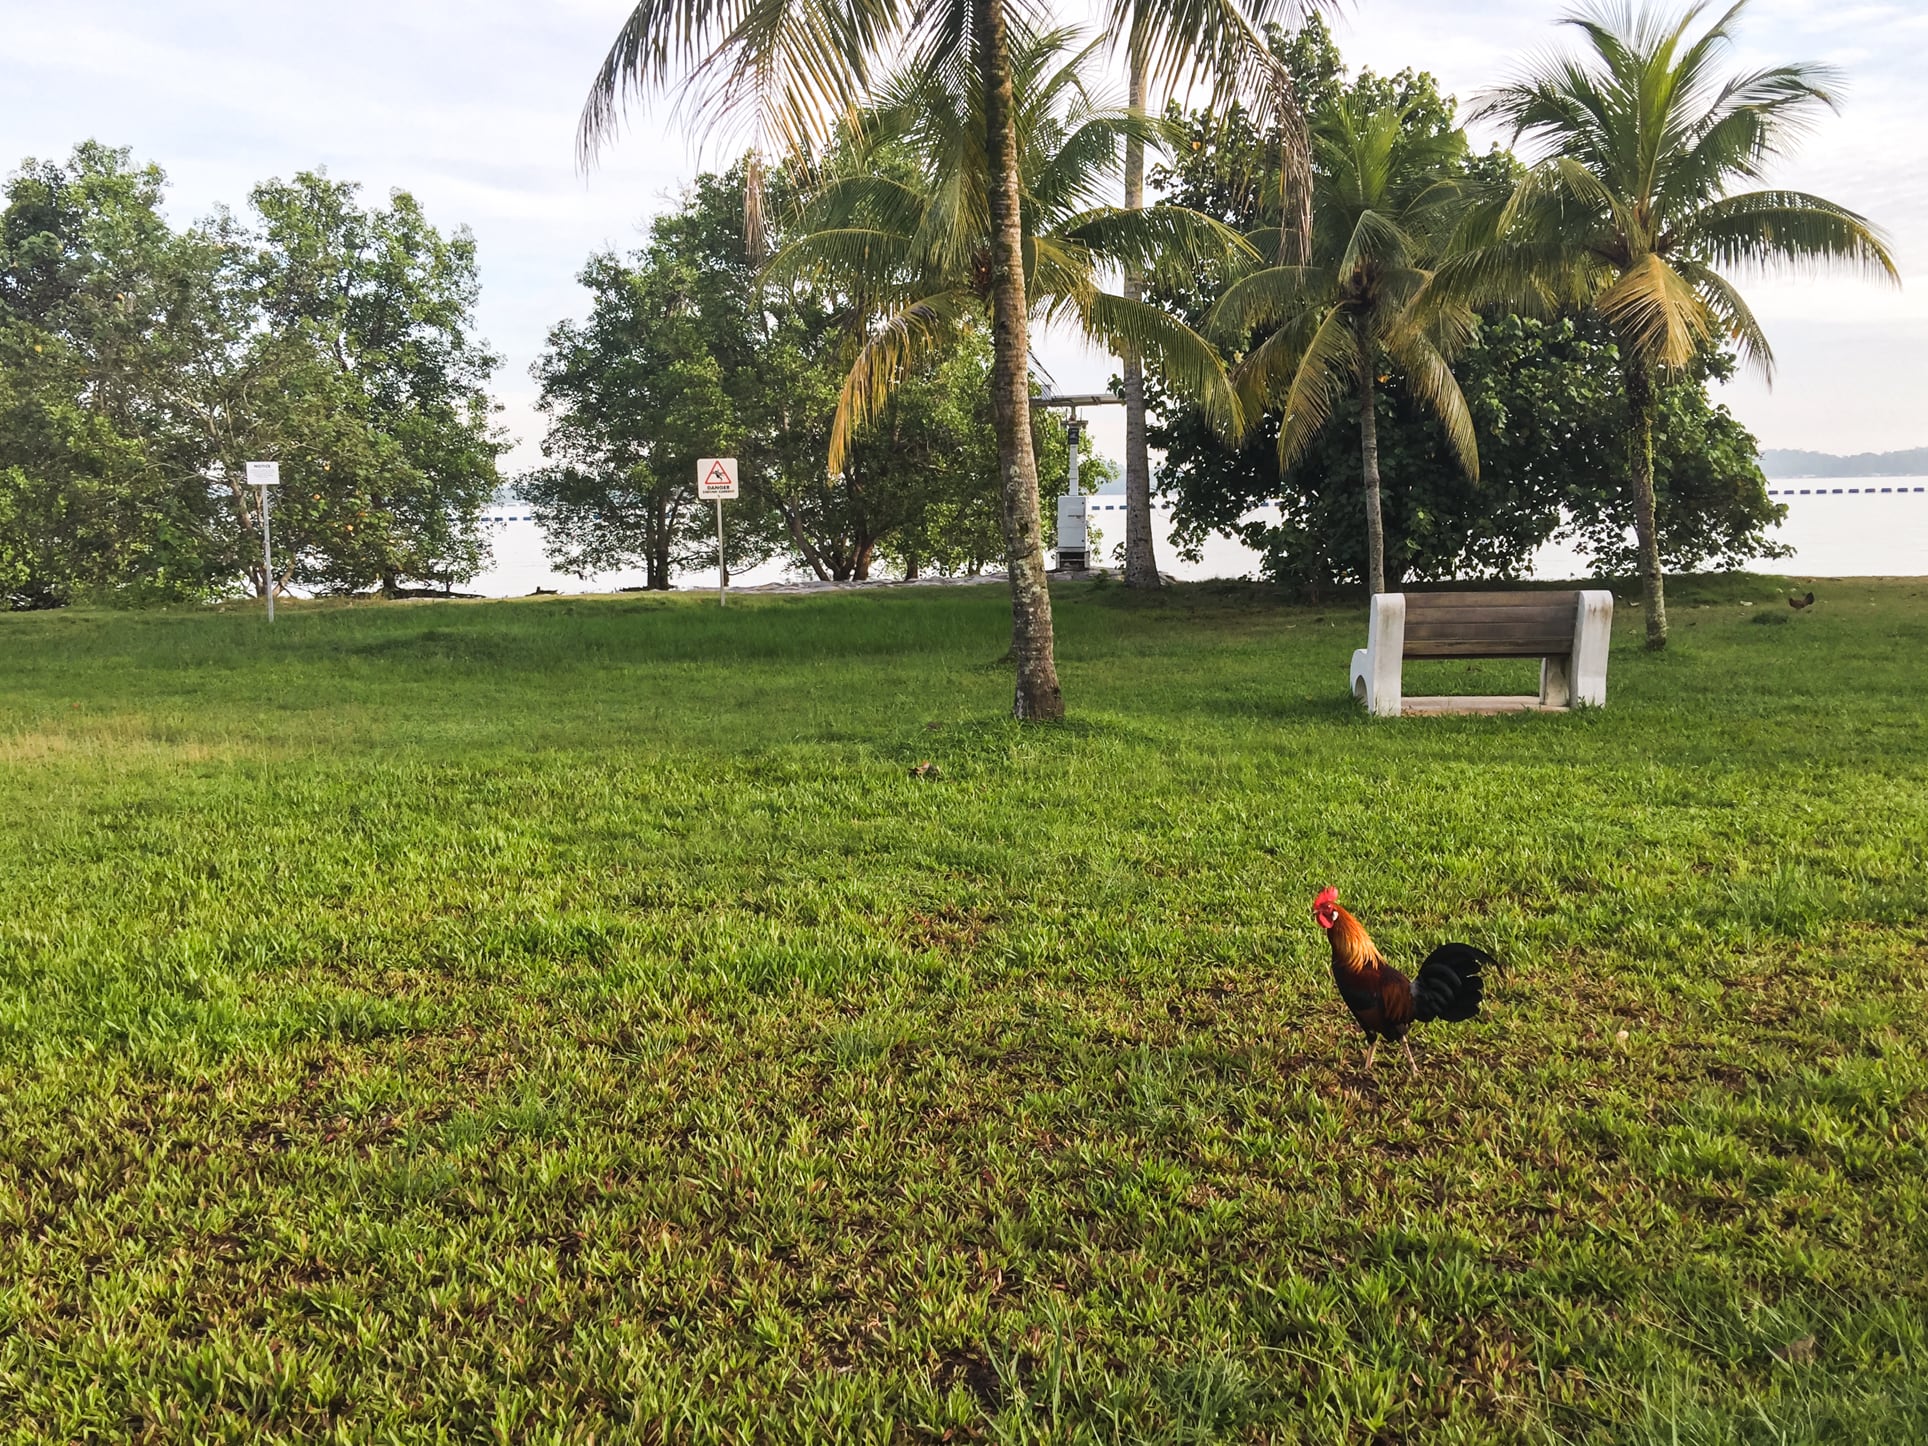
(1038, 696)
(1141, 557)
(1640, 406)
(1369, 467)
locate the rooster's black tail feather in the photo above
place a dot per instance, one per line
(1451, 983)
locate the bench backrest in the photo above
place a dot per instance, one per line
(1490, 624)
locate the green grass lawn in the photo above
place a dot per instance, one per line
(571, 1020)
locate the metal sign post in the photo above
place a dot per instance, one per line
(265, 475)
(716, 477)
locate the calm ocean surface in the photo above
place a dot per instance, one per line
(1837, 526)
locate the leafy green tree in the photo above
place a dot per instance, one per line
(1387, 194)
(144, 367)
(1185, 42)
(96, 496)
(796, 72)
(1550, 419)
(935, 446)
(386, 301)
(689, 353)
(899, 227)
(692, 349)
(635, 396)
(1631, 208)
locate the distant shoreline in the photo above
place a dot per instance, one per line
(1791, 464)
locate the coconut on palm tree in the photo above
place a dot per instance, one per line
(1386, 197)
(901, 222)
(1632, 208)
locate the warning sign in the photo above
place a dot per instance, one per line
(716, 477)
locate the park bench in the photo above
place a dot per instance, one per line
(1566, 631)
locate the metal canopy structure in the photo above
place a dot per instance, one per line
(1090, 399)
(1074, 548)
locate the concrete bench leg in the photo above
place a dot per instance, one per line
(1592, 634)
(1376, 668)
(1556, 682)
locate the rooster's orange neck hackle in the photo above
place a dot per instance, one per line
(1352, 946)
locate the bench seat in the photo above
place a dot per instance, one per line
(1567, 631)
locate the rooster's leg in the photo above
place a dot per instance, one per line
(1411, 1063)
(1372, 1049)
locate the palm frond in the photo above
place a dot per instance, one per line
(1376, 240)
(1220, 45)
(1189, 363)
(904, 338)
(783, 71)
(1303, 370)
(1432, 381)
(859, 258)
(1789, 229)
(1736, 319)
(1161, 241)
(1267, 298)
(1056, 268)
(1658, 311)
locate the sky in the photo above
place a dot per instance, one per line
(471, 105)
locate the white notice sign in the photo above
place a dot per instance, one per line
(716, 477)
(264, 474)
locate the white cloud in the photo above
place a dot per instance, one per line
(473, 106)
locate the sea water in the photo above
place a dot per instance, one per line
(1837, 526)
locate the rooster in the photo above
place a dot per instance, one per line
(1449, 985)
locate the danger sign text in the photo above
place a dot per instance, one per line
(716, 477)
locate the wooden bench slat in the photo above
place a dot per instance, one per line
(1490, 624)
(1535, 622)
(1486, 648)
(1420, 602)
(1483, 622)
(1492, 632)
(1523, 622)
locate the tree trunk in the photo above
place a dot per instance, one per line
(912, 567)
(656, 553)
(1141, 557)
(1369, 468)
(1038, 696)
(1640, 406)
(251, 527)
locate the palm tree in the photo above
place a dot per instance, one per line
(789, 71)
(901, 223)
(1631, 212)
(1185, 42)
(1385, 198)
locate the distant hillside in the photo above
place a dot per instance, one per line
(1791, 462)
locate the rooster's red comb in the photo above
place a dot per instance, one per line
(1326, 896)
